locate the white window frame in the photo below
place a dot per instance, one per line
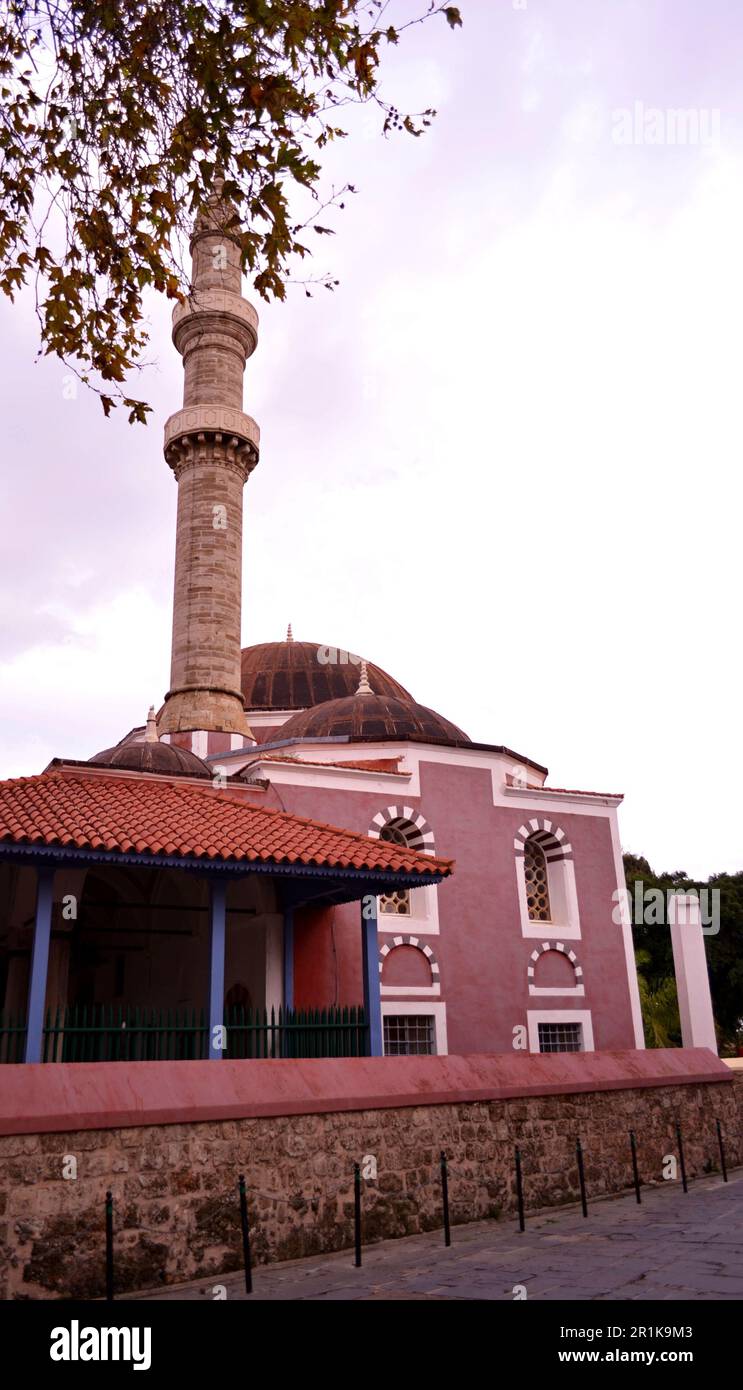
(424, 910)
(536, 1016)
(423, 914)
(425, 1010)
(563, 896)
(424, 902)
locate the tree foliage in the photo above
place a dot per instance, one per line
(655, 955)
(659, 1002)
(114, 117)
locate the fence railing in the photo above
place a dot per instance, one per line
(12, 1037)
(110, 1033)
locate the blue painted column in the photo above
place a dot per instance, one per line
(217, 934)
(39, 965)
(289, 958)
(370, 972)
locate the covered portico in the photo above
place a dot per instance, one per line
(203, 889)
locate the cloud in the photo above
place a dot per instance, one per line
(501, 460)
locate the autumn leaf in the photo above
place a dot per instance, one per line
(141, 105)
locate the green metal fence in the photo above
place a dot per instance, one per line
(12, 1037)
(107, 1033)
(333, 1032)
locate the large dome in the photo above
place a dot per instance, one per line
(295, 675)
(164, 758)
(372, 716)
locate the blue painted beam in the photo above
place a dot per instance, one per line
(39, 965)
(370, 972)
(289, 958)
(217, 936)
(351, 882)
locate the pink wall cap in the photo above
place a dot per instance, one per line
(45, 1097)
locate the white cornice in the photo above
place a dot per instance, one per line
(528, 794)
(320, 773)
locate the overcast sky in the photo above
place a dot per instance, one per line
(502, 460)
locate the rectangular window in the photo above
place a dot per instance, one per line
(409, 1035)
(560, 1037)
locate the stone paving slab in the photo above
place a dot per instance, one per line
(673, 1246)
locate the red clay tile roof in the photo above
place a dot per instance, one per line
(138, 815)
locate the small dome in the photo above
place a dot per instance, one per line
(372, 717)
(296, 675)
(164, 758)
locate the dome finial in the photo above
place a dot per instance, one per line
(150, 733)
(289, 634)
(364, 687)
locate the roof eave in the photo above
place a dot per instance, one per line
(70, 856)
(382, 739)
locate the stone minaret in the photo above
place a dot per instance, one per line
(211, 445)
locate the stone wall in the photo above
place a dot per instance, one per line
(175, 1185)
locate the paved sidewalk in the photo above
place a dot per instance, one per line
(674, 1246)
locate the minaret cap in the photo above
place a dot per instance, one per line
(364, 687)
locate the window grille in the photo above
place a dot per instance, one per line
(409, 1035)
(537, 888)
(560, 1037)
(398, 902)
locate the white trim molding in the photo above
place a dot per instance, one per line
(418, 832)
(536, 1016)
(627, 938)
(428, 991)
(423, 902)
(561, 797)
(551, 839)
(576, 990)
(435, 1011)
(423, 916)
(558, 855)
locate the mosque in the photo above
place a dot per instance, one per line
(292, 856)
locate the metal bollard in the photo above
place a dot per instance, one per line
(109, 1247)
(581, 1176)
(635, 1170)
(246, 1234)
(519, 1189)
(357, 1214)
(445, 1198)
(681, 1158)
(722, 1152)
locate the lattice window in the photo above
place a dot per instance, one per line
(409, 1035)
(398, 902)
(560, 1037)
(537, 887)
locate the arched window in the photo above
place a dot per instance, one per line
(537, 885)
(405, 825)
(397, 903)
(545, 874)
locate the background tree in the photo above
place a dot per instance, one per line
(724, 951)
(115, 115)
(659, 1002)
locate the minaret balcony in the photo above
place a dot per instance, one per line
(194, 421)
(221, 309)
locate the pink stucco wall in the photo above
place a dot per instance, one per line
(482, 955)
(99, 1095)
